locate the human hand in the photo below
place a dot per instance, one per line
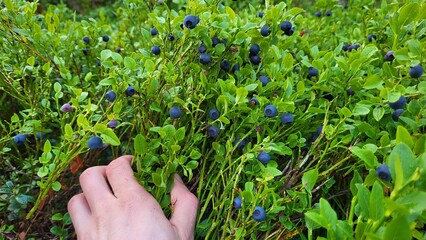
(127, 210)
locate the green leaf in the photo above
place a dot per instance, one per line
(180, 134)
(195, 154)
(401, 164)
(140, 144)
(378, 113)
(414, 201)
(251, 87)
(56, 186)
(366, 155)
(377, 210)
(272, 172)
(328, 212)
(47, 146)
(403, 136)
(363, 201)
(360, 109)
(309, 179)
(129, 63)
(313, 217)
(109, 137)
(57, 217)
(373, 82)
(241, 95)
(408, 13)
(398, 229)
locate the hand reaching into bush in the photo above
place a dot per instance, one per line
(126, 210)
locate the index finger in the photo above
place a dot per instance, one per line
(120, 176)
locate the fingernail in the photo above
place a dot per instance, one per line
(177, 177)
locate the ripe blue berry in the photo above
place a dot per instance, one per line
(110, 96)
(254, 101)
(389, 56)
(202, 49)
(171, 37)
(254, 49)
(399, 104)
(259, 214)
(264, 80)
(225, 65)
(175, 112)
(328, 13)
(214, 114)
(215, 41)
(289, 32)
(213, 131)
(396, 114)
(260, 14)
(318, 13)
(382, 172)
(105, 38)
(345, 47)
(204, 58)
(350, 91)
(255, 59)
(85, 51)
(154, 31)
(316, 134)
(130, 91)
(240, 143)
(371, 37)
(264, 31)
(39, 135)
(66, 107)
(270, 111)
(355, 46)
(19, 139)
(191, 21)
(312, 72)
(94, 142)
(112, 123)
(236, 68)
(286, 118)
(238, 203)
(86, 39)
(416, 71)
(264, 157)
(286, 26)
(155, 50)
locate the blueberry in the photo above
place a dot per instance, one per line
(118, 49)
(130, 91)
(213, 131)
(382, 172)
(355, 46)
(223, 41)
(110, 96)
(155, 50)
(328, 13)
(205, 58)
(85, 51)
(259, 214)
(39, 135)
(318, 13)
(416, 71)
(399, 104)
(240, 143)
(389, 56)
(396, 114)
(105, 38)
(315, 135)
(345, 47)
(254, 101)
(225, 65)
(175, 112)
(215, 41)
(202, 49)
(214, 114)
(371, 37)
(260, 14)
(264, 157)
(190, 21)
(286, 26)
(238, 203)
(154, 31)
(350, 91)
(270, 111)
(19, 139)
(112, 123)
(264, 80)
(86, 39)
(255, 59)
(66, 107)
(94, 142)
(286, 118)
(254, 49)
(171, 37)
(264, 31)
(312, 72)
(236, 68)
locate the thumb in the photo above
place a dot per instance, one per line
(185, 209)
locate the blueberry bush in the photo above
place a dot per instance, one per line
(286, 119)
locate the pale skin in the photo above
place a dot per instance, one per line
(127, 210)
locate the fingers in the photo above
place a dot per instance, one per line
(95, 187)
(120, 177)
(79, 211)
(185, 209)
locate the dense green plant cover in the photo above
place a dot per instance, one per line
(316, 171)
